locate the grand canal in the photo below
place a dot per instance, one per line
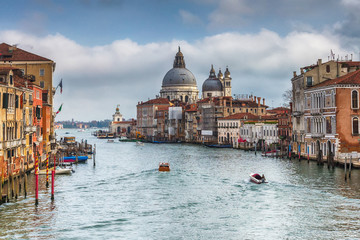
(206, 195)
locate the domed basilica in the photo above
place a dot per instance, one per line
(179, 83)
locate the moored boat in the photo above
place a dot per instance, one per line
(256, 178)
(58, 171)
(74, 160)
(164, 167)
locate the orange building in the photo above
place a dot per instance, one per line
(332, 116)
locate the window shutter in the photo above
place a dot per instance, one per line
(5, 100)
(16, 101)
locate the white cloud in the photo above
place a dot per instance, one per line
(124, 72)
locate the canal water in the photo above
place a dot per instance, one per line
(206, 195)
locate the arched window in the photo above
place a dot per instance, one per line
(186, 98)
(327, 68)
(355, 126)
(168, 97)
(354, 99)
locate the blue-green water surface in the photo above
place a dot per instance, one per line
(206, 195)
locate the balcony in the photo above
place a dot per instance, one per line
(317, 135)
(23, 141)
(315, 111)
(297, 113)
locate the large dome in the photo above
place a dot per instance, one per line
(179, 77)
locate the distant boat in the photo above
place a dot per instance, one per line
(110, 140)
(256, 178)
(164, 167)
(139, 144)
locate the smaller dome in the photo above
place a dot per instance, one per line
(212, 83)
(227, 72)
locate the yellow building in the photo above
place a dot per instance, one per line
(38, 69)
(14, 144)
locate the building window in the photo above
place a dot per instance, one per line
(11, 80)
(186, 98)
(42, 72)
(42, 84)
(354, 99)
(327, 68)
(355, 126)
(22, 72)
(308, 81)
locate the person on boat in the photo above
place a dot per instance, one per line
(263, 178)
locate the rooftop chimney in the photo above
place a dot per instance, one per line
(294, 73)
(301, 70)
(259, 98)
(319, 62)
(263, 101)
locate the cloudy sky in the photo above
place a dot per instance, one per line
(111, 52)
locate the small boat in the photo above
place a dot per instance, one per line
(58, 170)
(73, 159)
(139, 144)
(256, 178)
(110, 140)
(164, 167)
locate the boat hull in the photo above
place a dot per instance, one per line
(73, 159)
(254, 177)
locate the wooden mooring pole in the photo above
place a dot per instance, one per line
(94, 154)
(53, 180)
(345, 168)
(47, 171)
(36, 181)
(350, 167)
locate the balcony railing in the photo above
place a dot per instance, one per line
(315, 111)
(317, 135)
(297, 113)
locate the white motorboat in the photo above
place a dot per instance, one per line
(58, 170)
(256, 178)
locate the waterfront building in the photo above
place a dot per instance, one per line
(37, 115)
(37, 69)
(146, 117)
(331, 114)
(260, 130)
(192, 119)
(311, 76)
(119, 127)
(176, 123)
(284, 125)
(16, 128)
(179, 83)
(229, 128)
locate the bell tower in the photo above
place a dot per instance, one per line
(227, 83)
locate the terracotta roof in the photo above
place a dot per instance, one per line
(10, 53)
(156, 101)
(191, 108)
(279, 110)
(240, 116)
(205, 100)
(351, 63)
(350, 78)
